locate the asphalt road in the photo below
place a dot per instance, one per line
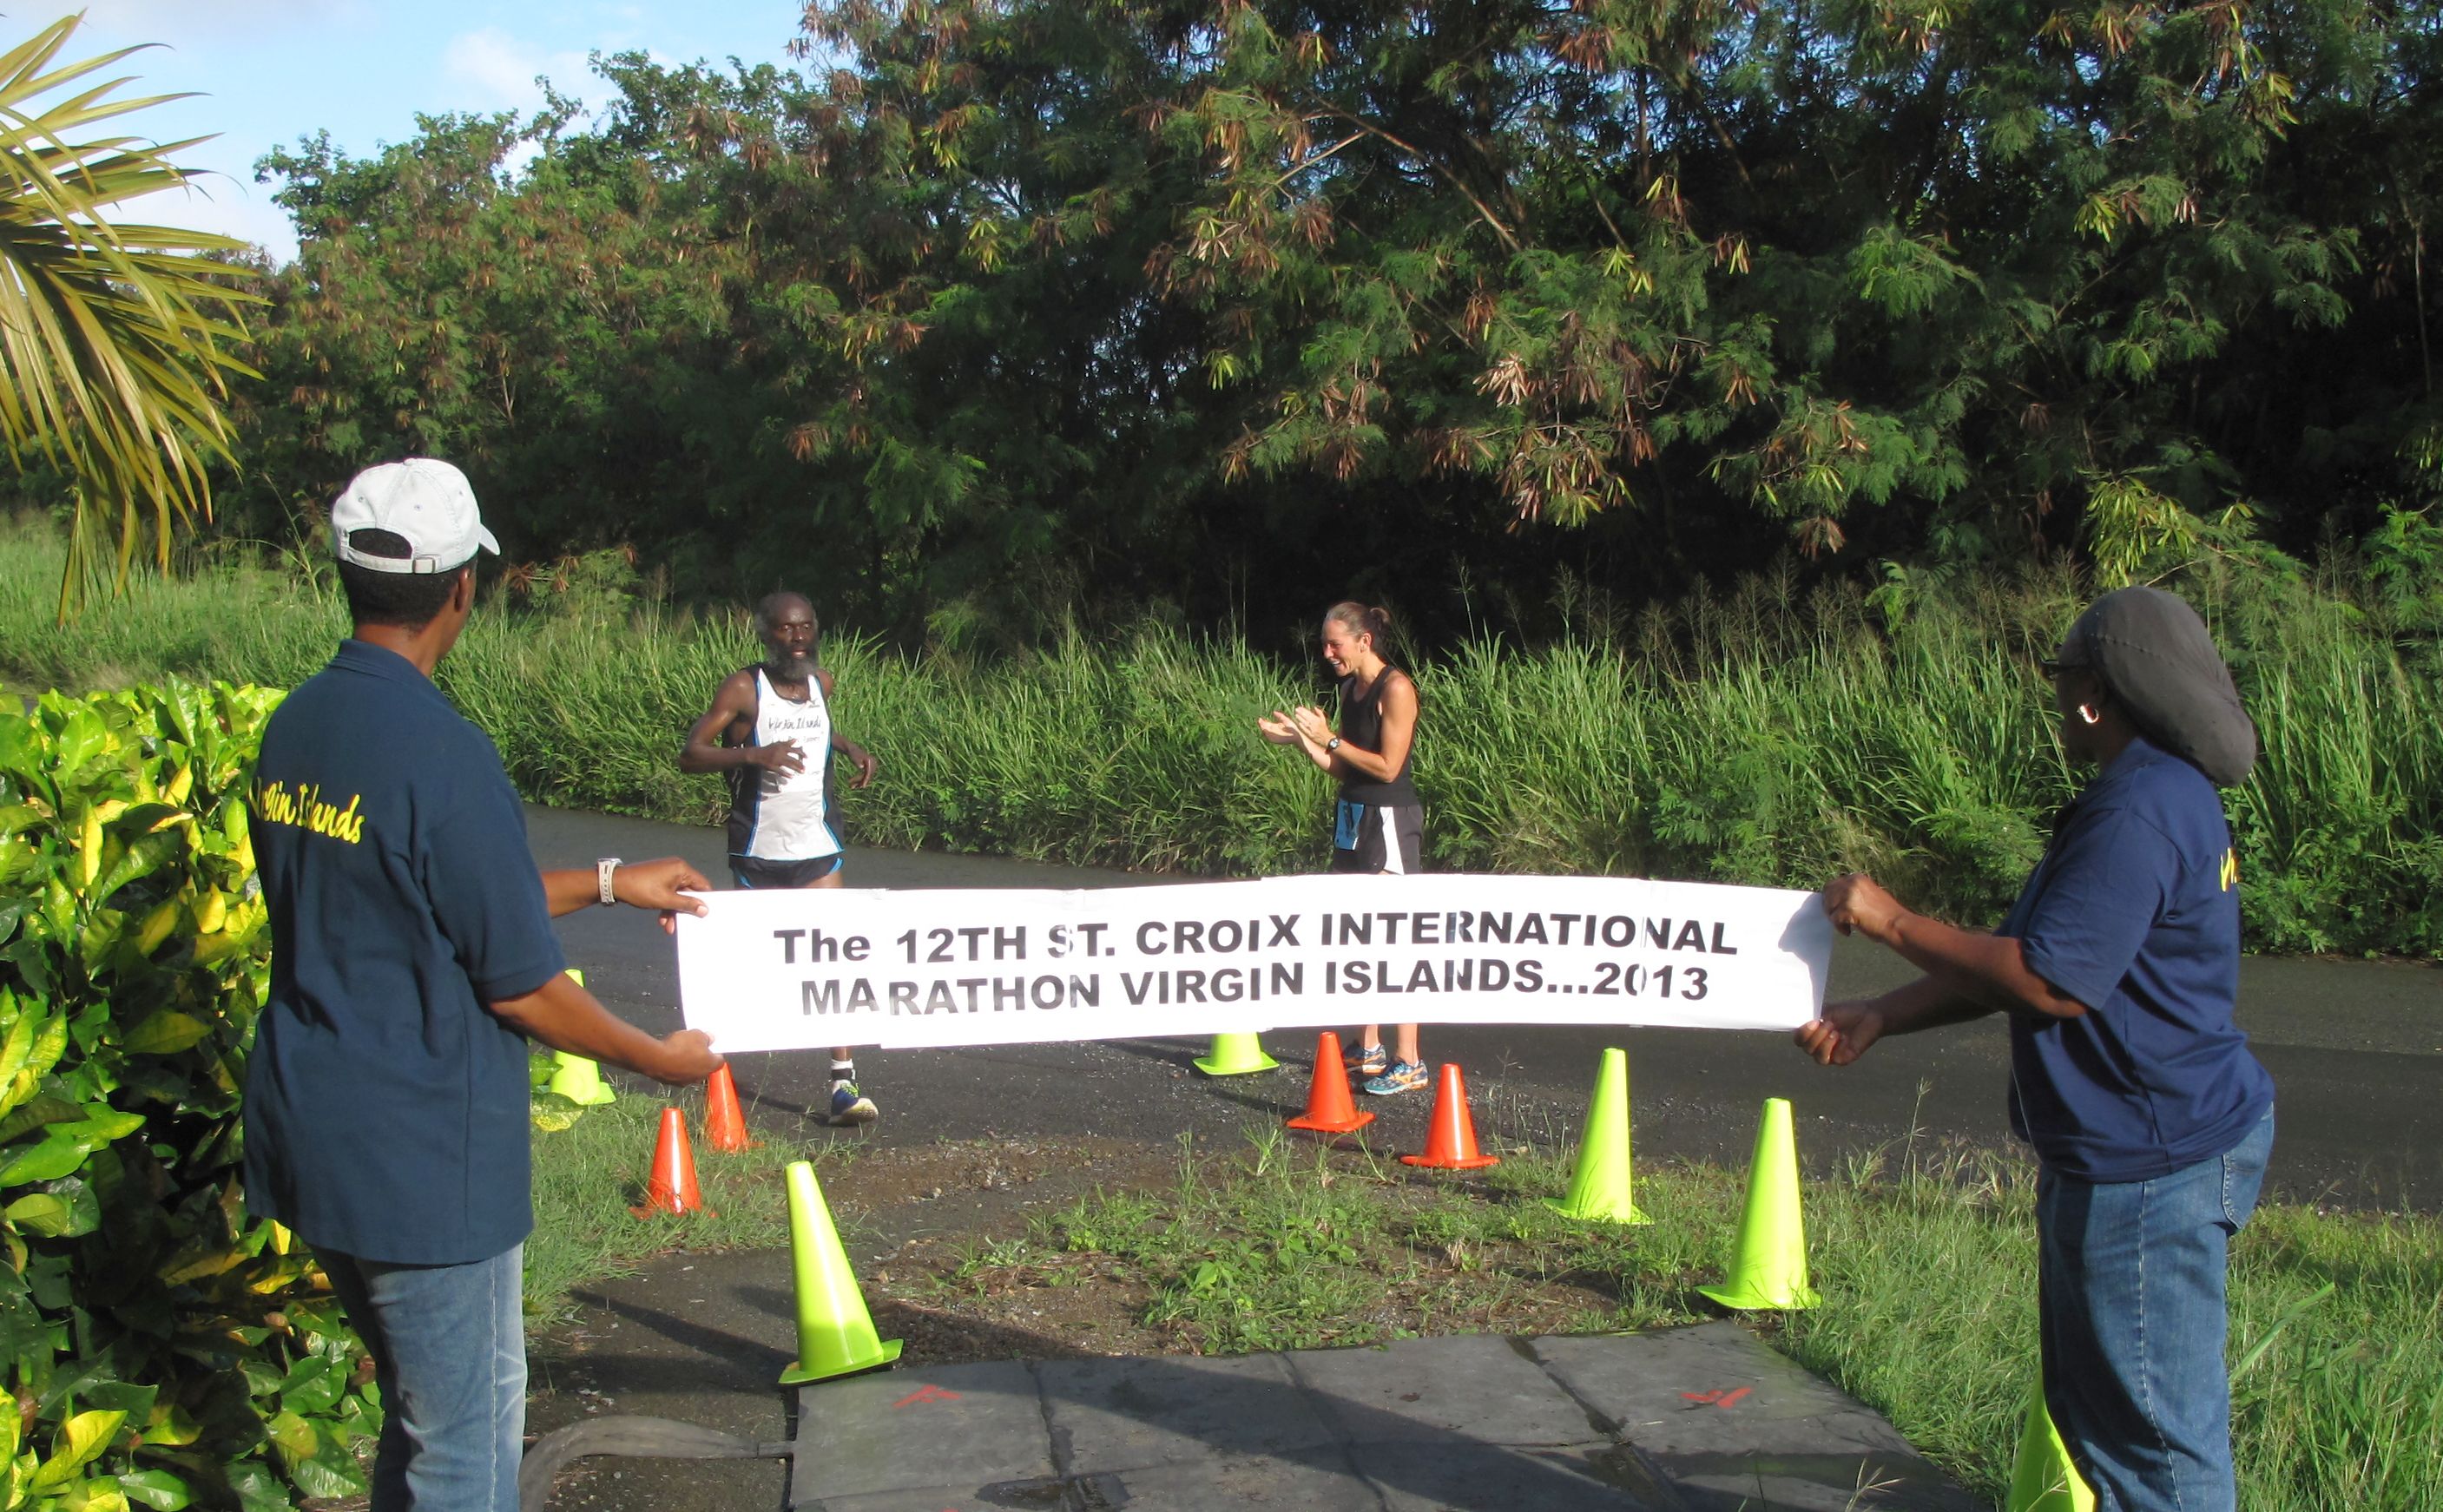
(2355, 1049)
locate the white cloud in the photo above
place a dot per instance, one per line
(490, 69)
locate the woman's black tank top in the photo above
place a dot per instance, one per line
(1361, 725)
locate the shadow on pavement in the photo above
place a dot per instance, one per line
(1470, 1424)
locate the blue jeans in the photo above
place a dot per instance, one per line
(449, 1354)
(2131, 1306)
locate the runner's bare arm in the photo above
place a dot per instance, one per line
(732, 704)
(1289, 729)
(565, 1016)
(866, 765)
(1399, 733)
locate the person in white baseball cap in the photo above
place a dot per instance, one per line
(427, 504)
(387, 1096)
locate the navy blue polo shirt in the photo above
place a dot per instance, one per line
(386, 1108)
(2135, 912)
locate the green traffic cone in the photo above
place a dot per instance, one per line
(1599, 1191)
(1768, 1268)
(576, 1078)
(834, 1332)
(2042, 1478)
(1236, 1055)
(580, 1079)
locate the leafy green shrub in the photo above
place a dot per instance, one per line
(163, 1347)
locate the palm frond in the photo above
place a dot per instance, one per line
(115, 337)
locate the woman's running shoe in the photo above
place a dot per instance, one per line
(1402, 1076)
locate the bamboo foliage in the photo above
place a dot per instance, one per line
(115, 337)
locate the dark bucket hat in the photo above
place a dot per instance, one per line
(2156, 658)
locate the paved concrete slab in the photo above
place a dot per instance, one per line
(1675, 1387)
(1702, 1419)
(1477, 1386)
(1810, 1482)
(1230, 1482)
(1733, 1423)
(1141, 1414)
(936, 1499)
(1459, 1476)
(961, 1424)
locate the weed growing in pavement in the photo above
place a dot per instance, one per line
(1926, 1259)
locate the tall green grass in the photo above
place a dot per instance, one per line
(1769, 738)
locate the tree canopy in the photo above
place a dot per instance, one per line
(988, 310)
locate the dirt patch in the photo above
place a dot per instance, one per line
(886, 1190)
(931, 1220)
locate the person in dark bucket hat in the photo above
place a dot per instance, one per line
(2117, 970)
(2154, 656)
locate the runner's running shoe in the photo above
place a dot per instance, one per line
(1372, 1060)
(1403, 1076)
(849, 1105)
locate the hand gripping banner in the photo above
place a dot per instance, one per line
(815, 968)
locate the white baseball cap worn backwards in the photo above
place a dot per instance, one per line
(426, 503)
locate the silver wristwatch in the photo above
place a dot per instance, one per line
(602, 870)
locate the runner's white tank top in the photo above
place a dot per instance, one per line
(792, 816)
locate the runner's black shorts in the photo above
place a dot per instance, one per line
(754, 872)
(1368, 837)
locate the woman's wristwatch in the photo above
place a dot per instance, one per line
(1333, 744)
(602, 870)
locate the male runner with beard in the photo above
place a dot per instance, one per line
(783, 825)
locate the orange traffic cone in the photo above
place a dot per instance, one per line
(1450, 1144)
(673, 1188)
(724, 1125)
(1328, 1108)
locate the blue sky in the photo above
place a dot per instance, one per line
(270, 72)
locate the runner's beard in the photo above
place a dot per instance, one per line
(790, 666)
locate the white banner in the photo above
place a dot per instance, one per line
(814, 968)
